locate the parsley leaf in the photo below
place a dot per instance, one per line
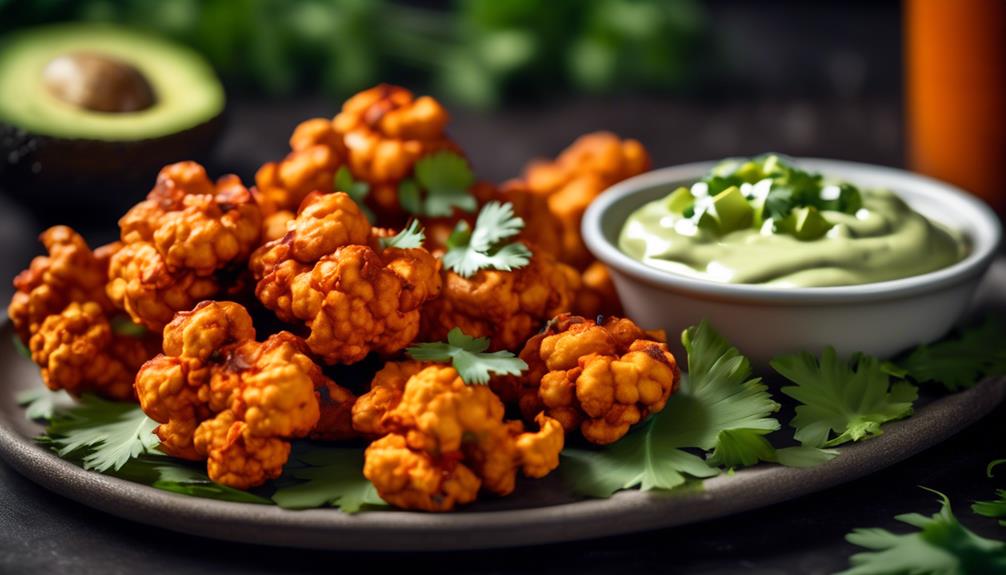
(411, 236)
(177, 477)
(718, 408)
(355, 189)
(941, 546)
(469, 357)
(995, 508)
(319, 476)
(40, 402)
(962, 361)
(110, 432)
(469, 251)
(836, 397)
(445, 177)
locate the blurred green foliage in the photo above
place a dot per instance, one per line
(476, 52)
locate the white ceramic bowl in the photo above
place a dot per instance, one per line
(881, 318)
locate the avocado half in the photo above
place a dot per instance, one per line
(89, 112)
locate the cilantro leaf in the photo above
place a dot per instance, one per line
(440, 185)
(40, 402)
(21, 348)
(356, 190)
(176, 477)
(469, 251)
(469, 357)
(836, 397)
(110, 433)
(411, 236)
(997, 507)
(718, 408)
(962, 361)
(940, 546)
(123, 325)
(319, 476)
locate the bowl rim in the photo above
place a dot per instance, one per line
(985, 235)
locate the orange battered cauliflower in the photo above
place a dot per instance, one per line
(324, 274)
(220, 395)
(316, 151)
(505, 306)
(447, 440)
(570, 183)
(600, 378)
(78, 351)
(180, 242)
(61, 313)
(70, 273)
(597, 295)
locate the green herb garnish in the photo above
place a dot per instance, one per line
(719, 408)
(469, 251)
(941, 546)
(469, 357)
(109, 432)
(411, 236)
(850, 398)
(355, 189)
(440, 184)
(319, 476)
(40, 403)
(962, 361)
(997, 507)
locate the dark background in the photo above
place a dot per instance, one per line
(803, 78)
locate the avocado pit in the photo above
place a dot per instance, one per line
(98, 83)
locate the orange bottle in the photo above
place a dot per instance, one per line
(955, 53)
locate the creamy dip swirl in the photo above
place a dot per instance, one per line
(883, 240)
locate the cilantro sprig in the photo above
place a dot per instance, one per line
(720, 411)
(469, 357)
(357, 191)
(940, 546)
(848, 398)
(106, 434)
(411, 236)
(961, 361)
(318, 476)
(470, 250)
(997, 507)
(440, 184)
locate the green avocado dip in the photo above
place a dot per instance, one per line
(764, 221)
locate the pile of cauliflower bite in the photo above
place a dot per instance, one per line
(196, 255)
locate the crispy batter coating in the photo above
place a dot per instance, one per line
(505, 306)
(597, 295)
(78, 352)
(598, 378)
(315, 155)
(447, 440)
(70, 272)
(324, 274)
(385, 393)
(180, 241)
(386, 130)
(224, 397)
(60, 311)
(579, 174)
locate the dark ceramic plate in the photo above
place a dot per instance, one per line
(540, 511)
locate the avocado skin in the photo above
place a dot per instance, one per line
(42, 170)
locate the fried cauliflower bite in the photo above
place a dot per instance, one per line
(352, 298)
(180, 242)
(61, 313)
(70, 272)
(223, 397)
(78, 352)
(600, 378)
(570, 183)
(447, 440)
(386, 130)
(315, 155)
(505, 306)
(597, 295)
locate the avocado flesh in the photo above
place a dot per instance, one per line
(53, 150)
(187, 91)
